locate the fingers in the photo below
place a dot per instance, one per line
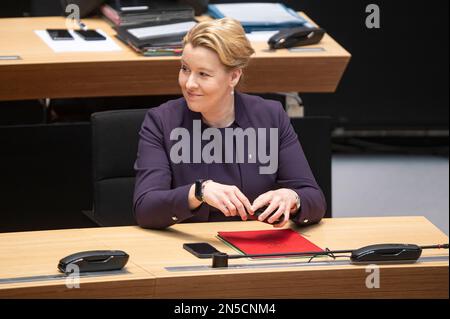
(278, 214)
(279, 206)
(224, 210)
(219, 204)
(240, 202)
(274, 203)
(240, 209)
(244, 200)
(261, 200)
(286, 214)
(231, 202)
(278, 209)
(217, 195)
(228, 207)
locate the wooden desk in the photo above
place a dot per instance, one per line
(41, 73)
(37, 253)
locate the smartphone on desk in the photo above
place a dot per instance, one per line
(59, 34)
(90, 35)
(200, 250)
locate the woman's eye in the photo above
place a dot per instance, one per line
(203, 74)
(184, 68)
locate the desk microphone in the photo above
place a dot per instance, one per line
(402, 253)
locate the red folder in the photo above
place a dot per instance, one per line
(269, 241)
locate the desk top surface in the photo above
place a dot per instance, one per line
(26, 254)
(17, 38)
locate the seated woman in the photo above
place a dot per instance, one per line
(186, 168)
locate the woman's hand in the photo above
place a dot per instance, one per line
(282, 202)
(226, 198)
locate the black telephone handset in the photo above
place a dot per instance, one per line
(294, 37)
(386, 253)
(94, 260)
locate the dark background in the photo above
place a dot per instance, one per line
(397, 77)
(397, 81)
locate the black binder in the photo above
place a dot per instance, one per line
(174, 40)
(136, 12)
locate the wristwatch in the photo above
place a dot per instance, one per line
(199, 189)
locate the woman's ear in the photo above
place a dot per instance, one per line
(235, 76)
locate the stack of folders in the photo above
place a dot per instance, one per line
(258, 16)
(136, 12)
(155, 39)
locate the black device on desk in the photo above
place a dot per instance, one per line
(59, 34)
(200, 250)
(260, 211)
(90, 35)
(386, 253)
(294, 37)
(95, 260)
(379, 254)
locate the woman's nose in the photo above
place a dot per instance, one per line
(191, 83)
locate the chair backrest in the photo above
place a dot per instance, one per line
(314, 134)
(115, 136)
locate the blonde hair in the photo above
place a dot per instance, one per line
(224, 36)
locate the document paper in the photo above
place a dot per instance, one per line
(78, 44)
(162, 30)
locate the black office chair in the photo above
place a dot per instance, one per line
(114, 143)
(114, 148)
(315, 136)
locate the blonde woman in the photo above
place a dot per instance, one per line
(217, 154)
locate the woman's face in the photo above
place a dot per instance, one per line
(204, 80)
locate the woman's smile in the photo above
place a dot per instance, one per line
(192, 95)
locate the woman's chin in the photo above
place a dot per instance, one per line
(194, 107)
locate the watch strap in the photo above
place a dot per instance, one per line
(199, 189)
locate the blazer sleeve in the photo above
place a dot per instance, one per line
(156, 204)
(295, 173)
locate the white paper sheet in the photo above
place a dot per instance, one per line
(79, 44)
(260, 36)
(162, 30)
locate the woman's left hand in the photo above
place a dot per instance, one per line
(282, 202)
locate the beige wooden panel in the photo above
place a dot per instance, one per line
(152, 251)
(29, 254)
(43, 73)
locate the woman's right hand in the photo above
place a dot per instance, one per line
(226, 198)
